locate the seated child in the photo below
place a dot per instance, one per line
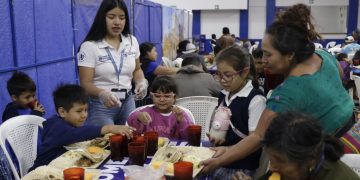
(22, 90)
(67, 126)
(241, 103)
(165, 118)
(259, 65)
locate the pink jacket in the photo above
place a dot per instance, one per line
(166, 126)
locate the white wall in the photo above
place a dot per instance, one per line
(315, 2)
(205, 4)
(257, 19)
(212, 22)
(329, 19)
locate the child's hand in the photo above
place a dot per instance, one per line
(118, 129)
(179, 113)
(215, 141)
(38, 107)
(144, 118)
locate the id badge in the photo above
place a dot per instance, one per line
(120, 93)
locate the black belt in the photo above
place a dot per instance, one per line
(345, 128)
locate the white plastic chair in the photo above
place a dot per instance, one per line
(188, 112)
(167, 62)
(357, 84)
(202, 107)
(353, 161)
(330, 44)
(21, 132)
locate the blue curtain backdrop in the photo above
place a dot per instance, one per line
(41, 38)
(148, 24)
(37, 38)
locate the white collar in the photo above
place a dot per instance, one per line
(244, 92)
(103, 44)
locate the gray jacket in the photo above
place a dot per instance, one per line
(193, 81)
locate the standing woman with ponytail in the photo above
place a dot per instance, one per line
(243, 101)
(312, 86)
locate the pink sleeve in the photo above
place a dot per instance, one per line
(134, 122)
(182, 126)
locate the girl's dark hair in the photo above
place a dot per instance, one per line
(294, 32)
(356, 55)
(300, 138)
(66, 95)
(145, 47)
(163, 84)
(239, 58)
(98, 28)
(182, 47)
(20, 83)
(257, 53)
(341, 56)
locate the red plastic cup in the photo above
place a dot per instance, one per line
(74, 173)
(142, 139)
(183, 170)
(136, 153)
(117, 146)
(194, 135)
(152, 145)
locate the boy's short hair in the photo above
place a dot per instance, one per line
(164, 84)
(19, 83)
(66, 95)
(257, 53)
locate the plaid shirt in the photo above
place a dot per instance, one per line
(5, 170)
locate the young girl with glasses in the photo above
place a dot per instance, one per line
(163, 117)
(242, 96)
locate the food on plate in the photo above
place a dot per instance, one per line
(99, 142)
(81, 158)
(84, 162)
(168, 155)
(275, 176)
(95, 150)
(44, 173)
(162, 141)
(169, 166)
(193, 159)
(88, 176)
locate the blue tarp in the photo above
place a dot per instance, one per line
(42, 38)
(148, 24)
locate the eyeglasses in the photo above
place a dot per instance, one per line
(166, 97)
(227, 76)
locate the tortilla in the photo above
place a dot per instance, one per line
(71, 158)
(168, 155)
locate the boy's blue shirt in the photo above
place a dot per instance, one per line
(56, 134)
(13, 110)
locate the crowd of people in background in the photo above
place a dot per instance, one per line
(263, 89)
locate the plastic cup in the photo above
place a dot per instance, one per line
(194, 135)
(142, 139)
(152, 145)
(74, 173)
(117, 146)
(136, 153)
(183, 170)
